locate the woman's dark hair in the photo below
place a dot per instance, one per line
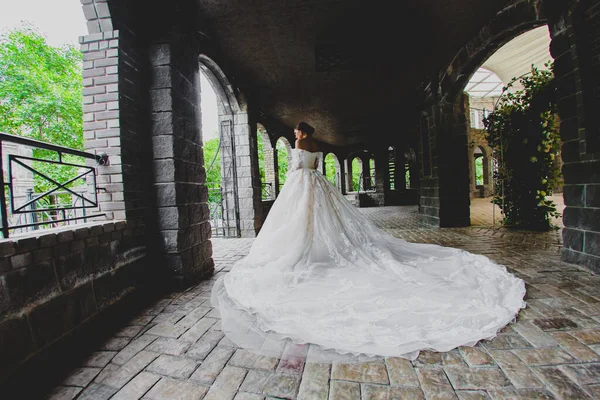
(306, 128)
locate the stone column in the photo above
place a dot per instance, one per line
(574, 28)
(381, 176)
(179, 174)
(453, 166)
(341, 178)
(366, 172)
(276, 170)
(101, 115)
(400, 171)
(270, 170)
(348, 176)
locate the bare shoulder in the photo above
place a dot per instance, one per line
(308, 144)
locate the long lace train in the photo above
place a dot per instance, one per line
(319, 272)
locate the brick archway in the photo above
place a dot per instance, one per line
(445, 189)
(239, 164)
(507, 25)
(271, 180)
(336, 180)
(278, 159)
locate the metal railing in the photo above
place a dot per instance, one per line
(57, 206)
(267, 191)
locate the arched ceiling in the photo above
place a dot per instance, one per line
(514, 59)
(348, 67)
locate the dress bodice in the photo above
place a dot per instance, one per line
(305, 159)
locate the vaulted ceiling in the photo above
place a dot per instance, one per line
(348, 67)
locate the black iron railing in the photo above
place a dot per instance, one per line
(267, 191)
(59, 205)
(215, 207)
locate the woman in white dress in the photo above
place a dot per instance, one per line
(319, 272)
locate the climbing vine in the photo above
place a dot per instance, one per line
(523, 131)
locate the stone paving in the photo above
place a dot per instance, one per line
(484, 213)
(175, 350)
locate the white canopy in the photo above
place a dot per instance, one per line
(514, 59)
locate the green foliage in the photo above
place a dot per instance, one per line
(260, 144)
(212, 163)
(356, 173)
(523, 131)
(330, 170)
(282, 161)
(479, 171)
(41, 98)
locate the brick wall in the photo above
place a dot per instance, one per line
(179, 174)
(53, 282)
(575, 59)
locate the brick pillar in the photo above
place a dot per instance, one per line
(429, 191)
(276, 170)
(381, 176)
(453, 166)
(341, 178)
(400, 171)
(366, 172)
(249, 190)
(179, 175)
(575, 38)
(270, 156)
(348, 176)
(101, 111)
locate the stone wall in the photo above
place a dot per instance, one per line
(429, 191)
(575, 37)
(179, 174)
(52, 283)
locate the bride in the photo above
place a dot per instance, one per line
(320, 273)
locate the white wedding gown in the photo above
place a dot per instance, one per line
(319, 272)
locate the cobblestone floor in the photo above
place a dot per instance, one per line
(175, 349)
(482, 211)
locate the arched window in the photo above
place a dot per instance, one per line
(392, 167)
(479, 157)
(283, 148)
(356, 174)
(332, 169)
(266, 163)
(410, 159)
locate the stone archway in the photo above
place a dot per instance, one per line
(333, 175)
(355, 173)
(237, 192)
(445, 187)
(480, 171)
(268, 167)
(283, 158)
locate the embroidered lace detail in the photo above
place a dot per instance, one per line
(321, 273)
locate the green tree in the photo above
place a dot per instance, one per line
(212, 163)
(479, 171)
(524, 129)
(41, 98)
(356, 174)
(330, 171)
(260, 144)
(282, 161)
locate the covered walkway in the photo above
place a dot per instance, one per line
(174, 349)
